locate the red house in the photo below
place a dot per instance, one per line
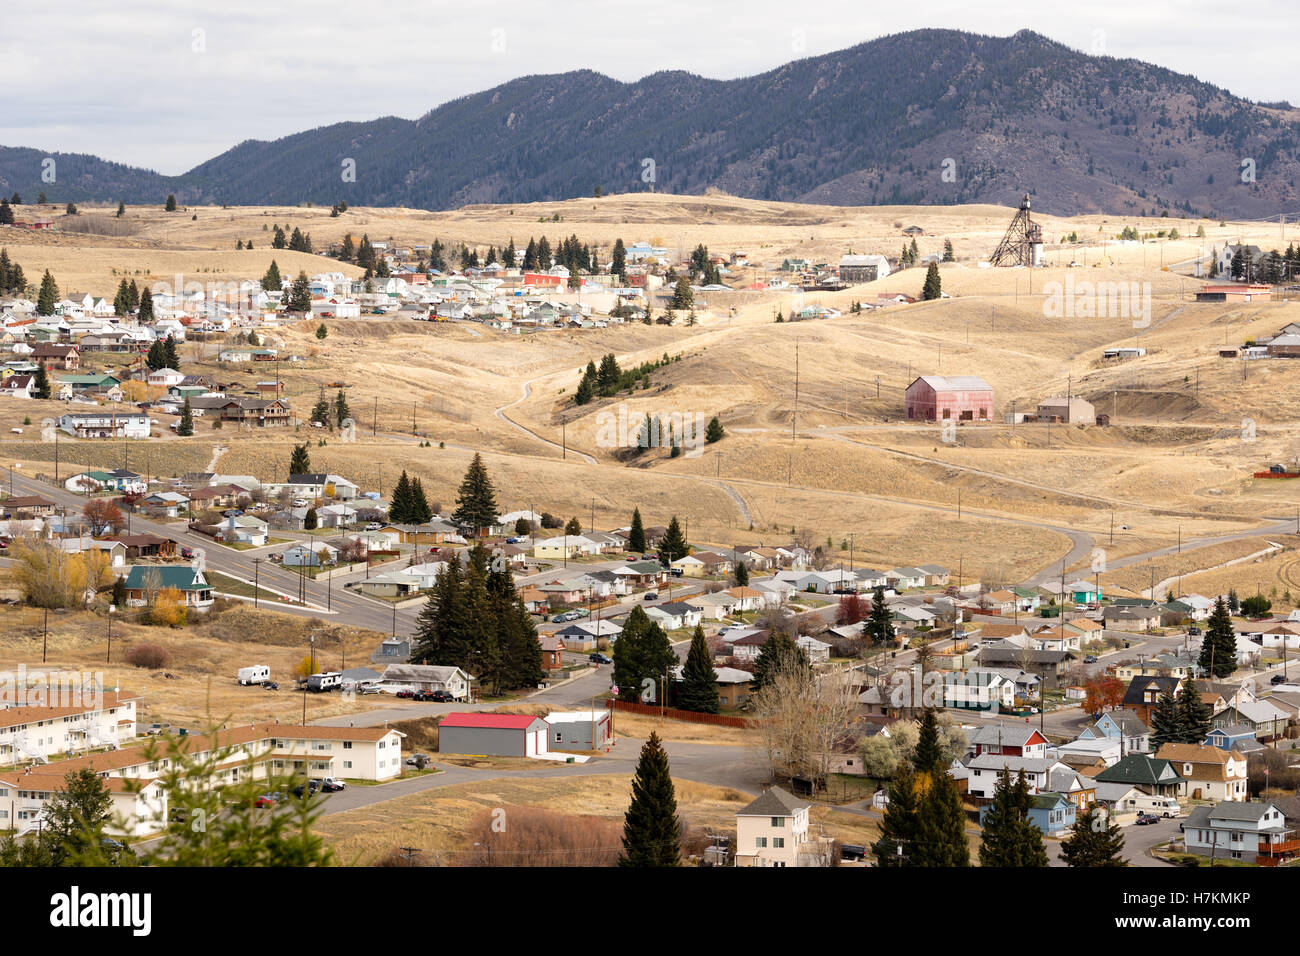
(542, 279)
(941, 397)
(1008, 740)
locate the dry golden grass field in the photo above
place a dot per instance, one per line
(842, 462)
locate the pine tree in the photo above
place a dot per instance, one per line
(636, 535)
(155, 358)
(476, 503)
(608, 376)
(299, 460)
(673, 545)
(643, 656)
(399, 507)
(651, 830)
(321, 331)
(778, 652)
(49, 295)
(170, 355)
(928, 756)
(1219, 644)
(421, 513)
(584, 393)
(933, 285)
(121, 208)
(947, 251)
(1166, 720)
(698, 690)
(341, 410)
(1092, 843)
(940, 824)
(186, 426)
(618, 265)
(742, 574)
(321, 410)
(171, 203)
(311, 520)
(898, 828)
(1009, 837)
(1194, 714)
(300, 294)
(145, 313)
(6, 213)
(879, 629)
(272, 281)
(42, 383)
(713, 433)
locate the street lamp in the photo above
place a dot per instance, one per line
(311, 666)
(256, 568)
(108, 658)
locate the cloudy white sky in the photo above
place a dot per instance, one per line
(167, 84)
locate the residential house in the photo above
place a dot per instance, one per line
(1232, 830)
(1150, 775)
(144, 581)
(427, 677)
(1239, 737)
(771, 829)
(674, 616)
(1143, 692)
(1124, 725)
(1208, 773)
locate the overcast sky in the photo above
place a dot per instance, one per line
(167, 84)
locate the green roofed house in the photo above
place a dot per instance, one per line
(1150, 775)
(146, 580)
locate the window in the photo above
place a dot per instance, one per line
(347, 765)
(778, 821)
(778, 843)
(760, 842)
(347, 745)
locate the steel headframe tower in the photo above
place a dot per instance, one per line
(1023, 243)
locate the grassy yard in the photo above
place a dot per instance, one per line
(224, 584)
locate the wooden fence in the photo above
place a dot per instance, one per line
(672, 713)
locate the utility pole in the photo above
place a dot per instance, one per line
(256, 567)
(794, 421)
(374, 420)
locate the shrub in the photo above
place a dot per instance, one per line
(149, 656)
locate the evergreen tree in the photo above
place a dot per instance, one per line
(1009, 838)
(300, 294)
(1194, 714)
(609, 375)
(742, 574)
(341, 410)
(1219, 645)
(673, 545)
(879, 629)
(144, 314)
(400, 509)
(643, 656)
(42, 383)
(311, 520)
(940, 824)
(476, 503)
(171, 203)
(947, 251)
(299, 460)
(928, 756)
(121, 208)
(1234, 604)
(73, 821)
(584, 393)
(421, 513)
(933, 284)
(1092, 843)
(272, 281)
(6, 213)
(651, 830)
(573, 528)
(618, 266)
(170, 355)
(49, 295)
(135, 296)
(778, 652)
(321, 410)
(122, 300)
(1166, 721)
(186, 426)
(698, 690)
(636, 535)
(278, 240)
(321, 331)
(155, 359)
(713, 433)
(898, 828)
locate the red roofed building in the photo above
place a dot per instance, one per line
(493, 735)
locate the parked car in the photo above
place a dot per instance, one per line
(267, 800)
(310, 788)
(373, 526)
(405, 694)
(270, 685)
(1278, 679)
(1090, 659)
(441, 696)
(579, 612)
(515, 540)
(651, 596)
(1194, 631)
(599, 658)
(332, 785)
(1147, 818)
(414, 759)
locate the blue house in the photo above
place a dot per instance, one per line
(1241, 736)
(1122, 725)
(1052, 813)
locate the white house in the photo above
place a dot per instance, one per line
(771, 830)
(1238, 831)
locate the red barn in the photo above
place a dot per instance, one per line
(961, 397)
(543, 279)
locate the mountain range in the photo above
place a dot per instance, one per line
(928, 116)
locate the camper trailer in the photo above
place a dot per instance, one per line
(257, 674)
(331, 680)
